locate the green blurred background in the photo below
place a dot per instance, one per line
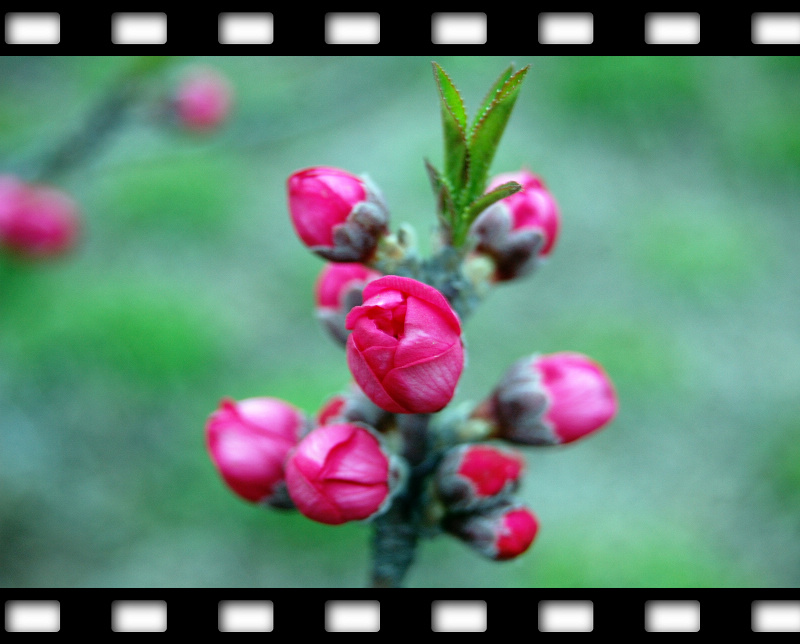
(677, 268)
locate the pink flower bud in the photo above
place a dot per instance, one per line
(500, 533)
(340, 473)
(203, 100)
(405, 351)
(338, 215)
(339, 289)
(352, 407)
(249, 442)
(521, 229)
(474, 476)
(551, 399)
(36, 221)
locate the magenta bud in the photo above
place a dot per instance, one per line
(477, 476)
(551, 399)
(36, 221)
(338, 215)
(519, 230)
(405, 349)
(203, 100)
(339, 289)
(502, 532)
(341, 473)
(351, 407)
(249, 442)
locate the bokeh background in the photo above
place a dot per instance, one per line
(677, 268)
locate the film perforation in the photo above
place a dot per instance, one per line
(292, 613)
(288, 29)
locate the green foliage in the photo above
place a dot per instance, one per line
(468, 152)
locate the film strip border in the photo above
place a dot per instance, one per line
(292, 613)
(295, 28)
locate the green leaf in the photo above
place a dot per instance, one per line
(486, 133)
(489, 199)
(445, 207)
(454, 120)
(490, 97)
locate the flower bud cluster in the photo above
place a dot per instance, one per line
(36, 221)
(374, 444)
(476, 485)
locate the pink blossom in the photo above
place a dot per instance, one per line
(501, 533)
(36, 221)
(337, 279)
(580, 394)
(249, 441)
(531, 208)
(550, 399)
(472, 476)
(339, 473)
(405, 349)
(337, 214)
(203, 100)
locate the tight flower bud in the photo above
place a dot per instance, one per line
(352, 407)
(339, 289)
(338, 215)
(500, 533)
(405, 351)
(340, 473)
(203, 100)
(551, 399)
(249, 442)
(36, 221)
(477, 476)
(519, 230)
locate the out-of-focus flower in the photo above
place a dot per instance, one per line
(405, 351)
(36, 221)
(340, 473)
(338, 215)
(249, 441)
(203, 100)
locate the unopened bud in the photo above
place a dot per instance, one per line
(339, 289)
(338, 215)
(405, 351)
(550, 399)
(477, 476)
(203, 100)
(36, 221)
(249, 441)
(520, 230)
(500, 533)
(341, 473)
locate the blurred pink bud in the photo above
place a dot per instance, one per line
(249, 441)
(340, 473)
(36, 221)
(520, 229)
(333, 410)
(473, 476)
(551, 399)
(203, 100)
(500, 533)
(338, 215)
(405, 351)
(339, 289)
